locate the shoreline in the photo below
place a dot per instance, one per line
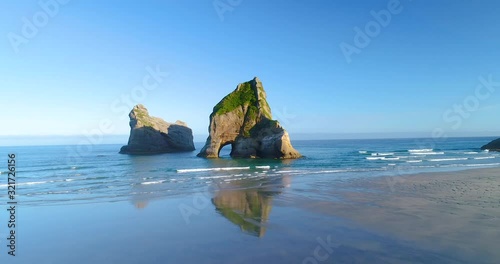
(421, 220)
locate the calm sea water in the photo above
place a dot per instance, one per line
(49, 175)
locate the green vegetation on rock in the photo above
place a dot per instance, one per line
(243, 118)
(244, 94)
(143, 117)
(250, 119)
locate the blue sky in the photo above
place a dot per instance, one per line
(71, 75)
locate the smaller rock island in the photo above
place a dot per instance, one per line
(152, 135)
(492, 146)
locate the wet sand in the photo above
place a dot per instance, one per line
(454, 213)
(446, 217)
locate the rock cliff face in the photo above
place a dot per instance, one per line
(243, 119)
(152, 135)
(492, 146)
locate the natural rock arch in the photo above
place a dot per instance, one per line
(222, 146)
(243, 119)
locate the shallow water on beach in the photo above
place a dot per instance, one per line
(48, 175)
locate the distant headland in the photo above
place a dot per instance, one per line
(492, 146)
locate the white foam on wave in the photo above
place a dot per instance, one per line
(482, 158)
(471, 153)
(381, 158)
(363, 152)
(345, 170)
(329, 171)
(480, 165)
(428, 153)
(263, 167)
(375, 158)
(213, 169)
(33, 183)
(420, 150)
(217, 177)
(383, 154)
(449, 159)
(414, 161)
(27, 183)
(152, 182)
(287, 171)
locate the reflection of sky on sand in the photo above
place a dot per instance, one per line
(143, 187)
(294, 230)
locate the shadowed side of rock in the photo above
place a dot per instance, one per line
(152, 135)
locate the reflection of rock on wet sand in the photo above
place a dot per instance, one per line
(141, 204)
(248, 208)
(140, 197)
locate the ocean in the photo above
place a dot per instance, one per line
(88, 204)
(54, 175)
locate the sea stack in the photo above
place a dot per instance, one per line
(243, 120)
(492, 146)
(152, 135)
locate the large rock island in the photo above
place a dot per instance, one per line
(492, 146)
(243, 119)
(152, 135)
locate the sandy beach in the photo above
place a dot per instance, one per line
(457, 213)
(444, 217)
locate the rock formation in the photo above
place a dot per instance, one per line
(492, 146)
(152, 135)
(243, 119)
